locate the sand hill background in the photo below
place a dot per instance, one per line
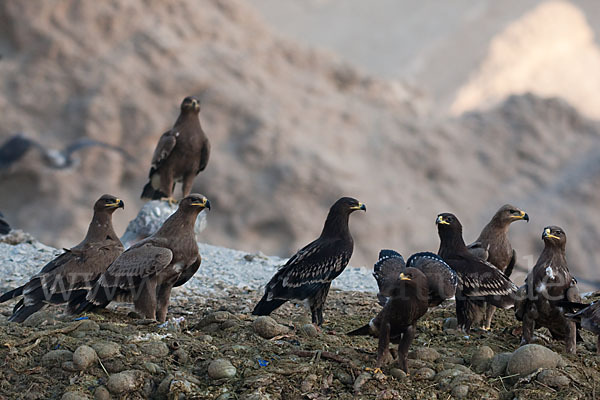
(294, 127)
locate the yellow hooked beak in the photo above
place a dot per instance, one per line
(404, 277)
(360, 206)
(548, 234)
(522, 216)
(117, 204)
(204, 203)
(441, 220)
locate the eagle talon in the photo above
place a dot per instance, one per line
(169, 200)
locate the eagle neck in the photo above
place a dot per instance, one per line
(100, 228)
(178, 221)
(451, 242)
(336, 225)
(187, 118)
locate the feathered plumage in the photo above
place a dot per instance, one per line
(70, 274)
(181, 153)
(493, 246)
(147, 271)
(479, 281)
(547, 287)
(588, 317)
(396, 322)
(308, 274)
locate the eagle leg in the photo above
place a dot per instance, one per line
(571, 339)
(528, 327)
(404, 345)
(383, 351)
(186, 187)
(489, 315)
(145, 302)
(164, 293)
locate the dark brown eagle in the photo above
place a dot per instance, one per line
(493, 246)
(181, 153)
(308, 274)
(72, 273)
(407, 301)
(588, 317)
(479, 282)
(441, 279)
(549, 284)
(147, 271)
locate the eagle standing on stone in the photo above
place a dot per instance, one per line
(147, 271)
(547, 287)
(407, 301)
(493, 246)
(308, 274)
(181, 153)
(73, 272)
(479, 282)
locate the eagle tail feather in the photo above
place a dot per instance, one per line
(362, 331)
(266, 307)
(23, 312)
(11, 294)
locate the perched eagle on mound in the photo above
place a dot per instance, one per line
(493, 246)
(181, 153)
(147, 271)
(308, 274)
(548, 285)
(479, 281)
(74, 271)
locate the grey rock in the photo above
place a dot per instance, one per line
(126, 381)
(308, 383)
(553, 378)
(152, 368)
(221, 369)
(361, 380)
(87, 325)
(40, 318)
(163, 388)
(155, 349)
(530, 357)
(74, 396)
(268, 328)
(69, 366)
(309, 330)
(107, 349)
(398, 374)
(450, 323)
(101, 393)
(217, 317)
(181, 356)
(83, 357)
(55, 358)
(481, 358)
(424, 374)
(460, 391)
(425, 354)
(498, 364)
(343, 377)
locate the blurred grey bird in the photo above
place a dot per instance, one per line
(13, 149)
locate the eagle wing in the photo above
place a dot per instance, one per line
(165, 146)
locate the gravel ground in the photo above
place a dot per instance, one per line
(221, 268)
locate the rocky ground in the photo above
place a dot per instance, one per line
(212, 348)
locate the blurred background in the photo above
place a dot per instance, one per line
(413, 107)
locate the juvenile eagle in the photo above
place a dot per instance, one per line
(308, 274)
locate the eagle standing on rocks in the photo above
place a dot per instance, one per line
(181, 153)
(479, 282)
(408, 300)
(547, 286)
(493, 246)
(441, 279)
(308, 274)
(73, 272)
(147, 271)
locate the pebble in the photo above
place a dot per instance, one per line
(69, 366)
(309, 330)
(553, 378)
(101, 393)
(398, 374)
(40, 318)
(460, 391)
(268, 328)
(530, 357)
(126, 381)
(107, 349)
(481, 358)
(498, 364)
(220, 369)
(425, 354)
(155, 349)
(163, 388)
(74, 396)
(87, 325)
(343, 377)
(83, 357)
(181, 356)
(152, 368)
(424, 374)
(54, 358)
(217, 317)
(361, 380)
(388, 394)
(205, 338)
(450, 323)
(308, 383)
